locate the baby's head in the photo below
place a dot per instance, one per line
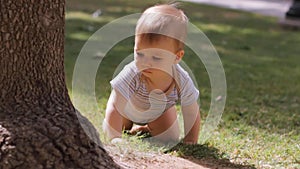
(159, 39)
(162, 22)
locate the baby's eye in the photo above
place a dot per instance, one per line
(156, 58)
(139, 54)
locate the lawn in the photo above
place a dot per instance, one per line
(260, 126)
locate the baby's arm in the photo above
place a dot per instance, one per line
(112, 124)
(191, 118)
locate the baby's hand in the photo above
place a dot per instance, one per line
(190, 142)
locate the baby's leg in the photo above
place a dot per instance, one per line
(127, 124)
(166, 127)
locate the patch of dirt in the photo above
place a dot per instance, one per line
(130, 159)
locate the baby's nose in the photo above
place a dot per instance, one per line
(147, 62)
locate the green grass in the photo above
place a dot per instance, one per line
(261, 122)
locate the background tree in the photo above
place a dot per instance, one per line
(39, 127)
(294, 10)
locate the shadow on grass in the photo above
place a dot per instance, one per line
(204, 155)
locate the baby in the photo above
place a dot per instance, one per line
(146, 91)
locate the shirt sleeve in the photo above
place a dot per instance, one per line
(188, 92)
(126, 81)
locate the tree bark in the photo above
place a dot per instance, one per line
(39, 127)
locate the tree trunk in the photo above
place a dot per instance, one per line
(294, 10)
(39, 127)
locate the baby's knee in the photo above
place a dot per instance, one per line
(171, 134)
(174, 136)
(169, 137)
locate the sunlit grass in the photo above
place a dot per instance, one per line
(257, 147)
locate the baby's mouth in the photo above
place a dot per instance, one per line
(147, 71)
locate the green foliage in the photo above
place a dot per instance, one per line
(261, 122)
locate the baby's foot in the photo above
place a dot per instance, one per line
(139, 129)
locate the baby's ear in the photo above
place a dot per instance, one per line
(179, 56)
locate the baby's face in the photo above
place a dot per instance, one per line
(155, 58)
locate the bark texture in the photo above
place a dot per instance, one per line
(39, 127)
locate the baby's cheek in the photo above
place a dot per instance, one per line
(163, 66)
(137, 64)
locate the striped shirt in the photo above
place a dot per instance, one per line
(144, 106)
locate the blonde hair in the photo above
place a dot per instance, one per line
(163, 21)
